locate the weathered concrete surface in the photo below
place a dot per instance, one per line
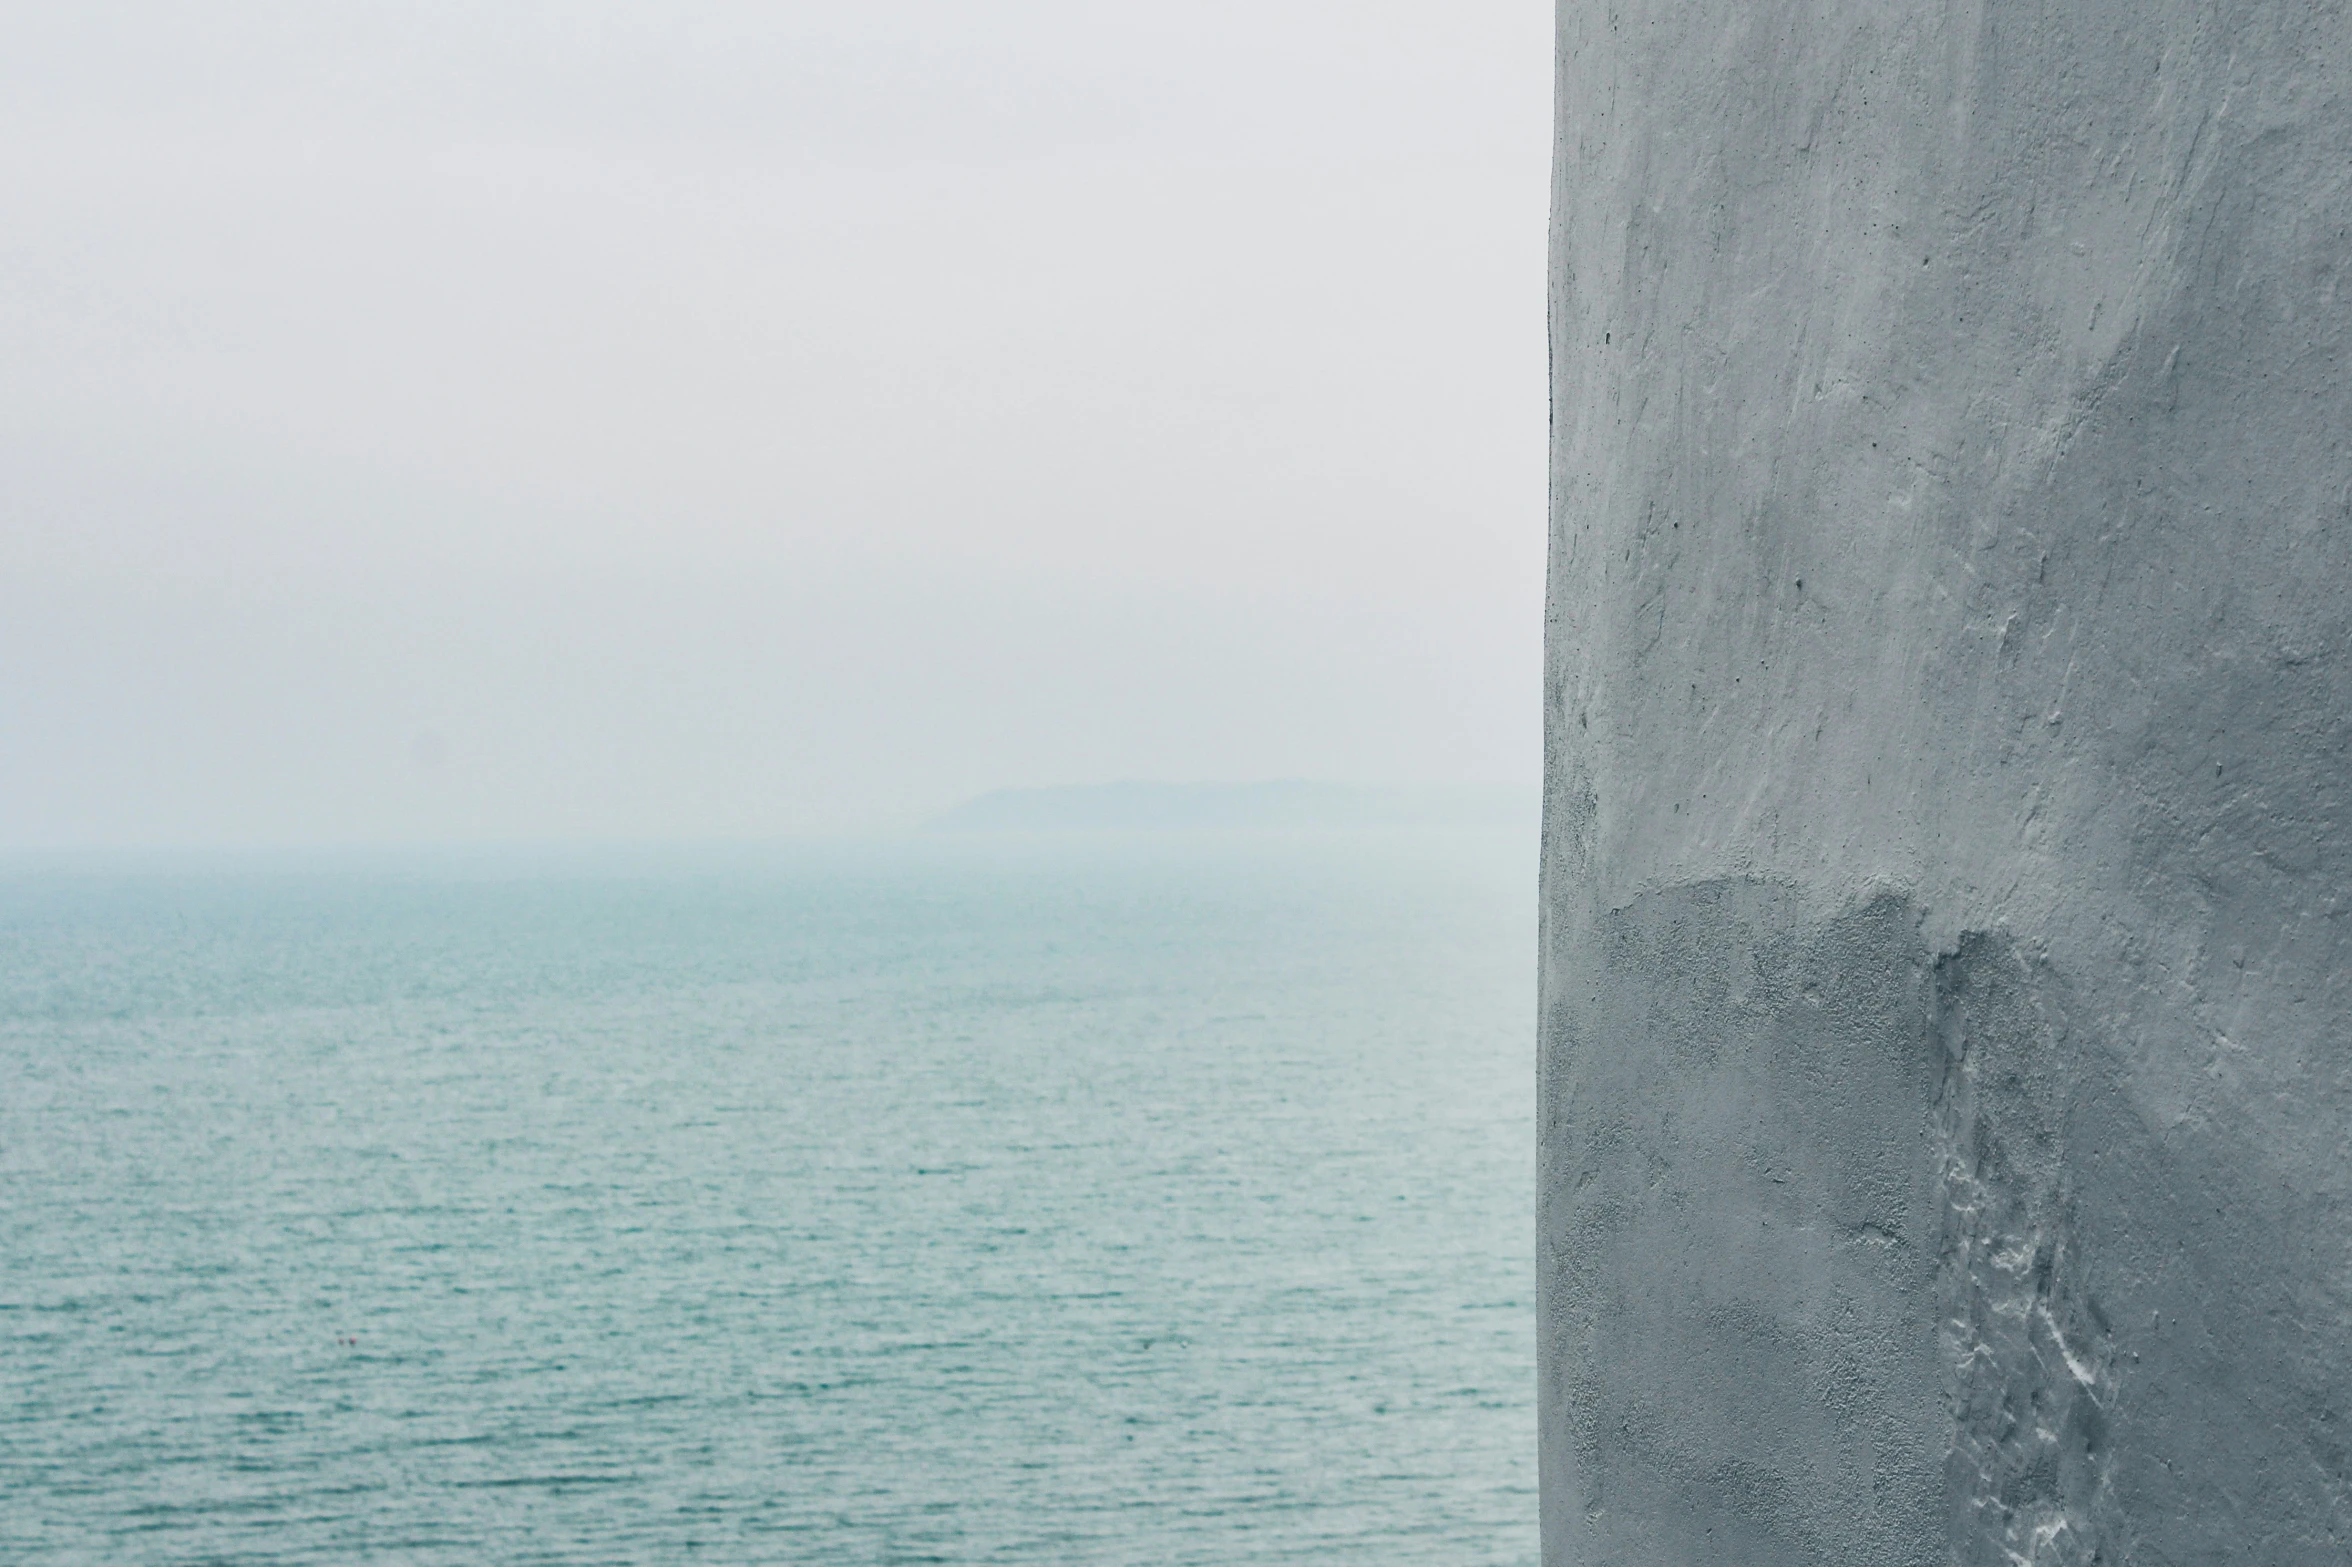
(1947, 1000)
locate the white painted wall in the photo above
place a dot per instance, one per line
(1947, 1021)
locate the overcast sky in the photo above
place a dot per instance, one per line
(502, 420)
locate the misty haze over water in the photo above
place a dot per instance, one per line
(601, 421)
(434, 427)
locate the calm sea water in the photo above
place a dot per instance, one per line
(1071, 1202)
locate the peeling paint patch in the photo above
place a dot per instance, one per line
(2028, 1355)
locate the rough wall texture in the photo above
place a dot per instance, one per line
(1947, 995)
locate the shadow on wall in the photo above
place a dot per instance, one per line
(1881, 1211)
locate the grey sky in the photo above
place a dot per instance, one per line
(523, 420)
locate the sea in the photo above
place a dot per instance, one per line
(1064, 1199)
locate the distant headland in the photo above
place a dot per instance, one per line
(1286, 805)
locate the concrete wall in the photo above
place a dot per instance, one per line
(1947, 1000)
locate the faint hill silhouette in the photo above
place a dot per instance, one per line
(1281, 806)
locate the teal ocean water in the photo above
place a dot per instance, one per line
(953, 1201)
